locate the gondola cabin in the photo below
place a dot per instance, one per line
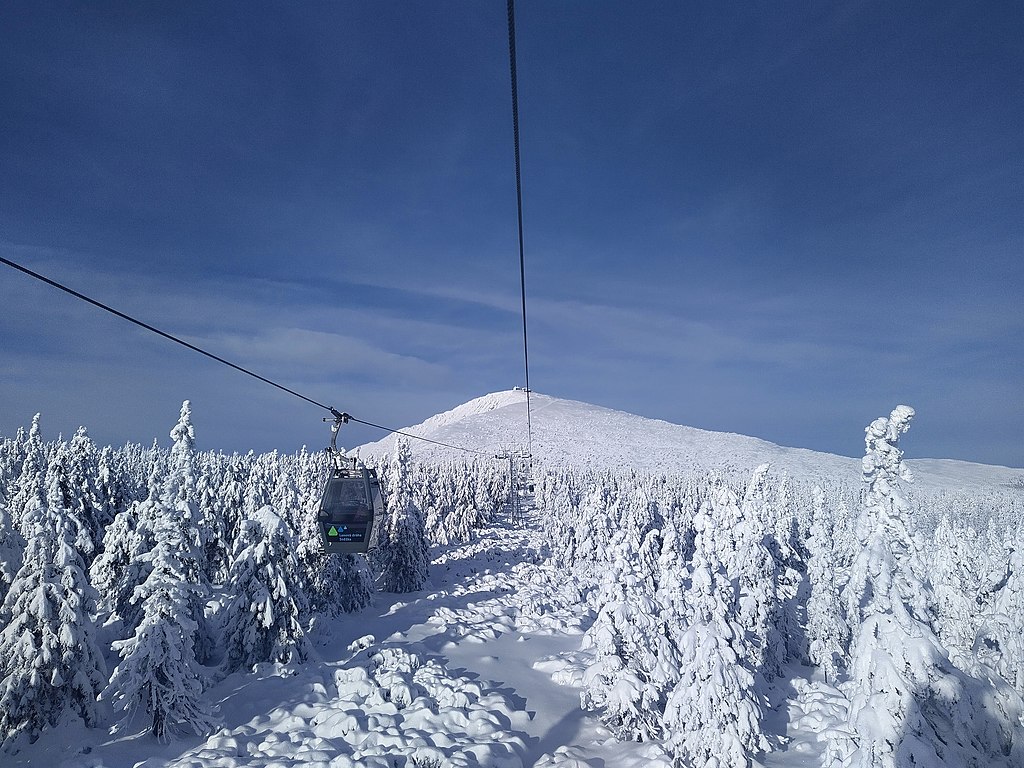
(350, 510)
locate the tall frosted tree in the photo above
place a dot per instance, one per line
(1004, 624)
(955, 573)
(711, 716)
(49, 660)
(122, 567)
(179, 506)
(268, 605)
(31, 479)
(12, 549)
(628, 640)
(827, 631)
(909, 706)
(82, 474)
(74, 495)
(403, 557)
(158, 675)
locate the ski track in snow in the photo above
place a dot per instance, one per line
(455, 675)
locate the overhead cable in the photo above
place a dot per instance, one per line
(519, 205)
(201, 351)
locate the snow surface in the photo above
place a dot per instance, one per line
(571, 433)
(458, 674)
(483, 667)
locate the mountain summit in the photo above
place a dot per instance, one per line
(572, 433)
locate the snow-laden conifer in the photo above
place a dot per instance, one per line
(178, 506)
(739, 542)
(909, 706)
(1004, 624)
(714, 711)
(82, 474)
(30, 485)
(75, 496)
(12, 548)
(12, 456)
(629, 676)
(787, 544)
(158, 676)
(111, 490)
(711, 717)
(956, 570)
(827, 630)
(402, 559)
(268, 607)
(49, 661)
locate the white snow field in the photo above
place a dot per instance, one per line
(672, 598)
(574, 434)
(453, 675)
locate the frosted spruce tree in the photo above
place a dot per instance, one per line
(827, 630)
(32, 477)
(110, 487)
(630, 675)
(909, 706)
(955, 572)
(268, 606)
(158, 675)
(1004, 623)
(402, 558)
(74, 495)
(179, 506)
(121, 567)
(49, 661)
(83, 494)
(12, 455)
(12, 549)
(711, 717)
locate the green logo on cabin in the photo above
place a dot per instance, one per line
(333, 531)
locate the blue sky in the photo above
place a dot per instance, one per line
(773, 219)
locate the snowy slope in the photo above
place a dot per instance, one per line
(571, 433)
(452, 675)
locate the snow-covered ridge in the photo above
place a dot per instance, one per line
(573, 433)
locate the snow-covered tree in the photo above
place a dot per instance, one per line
(49, 660)
(1003, 627)
(955, 572)
(75, 495)
(628, 640)
(29, 487)
(711, 716)
(122, 567)
(12, 548)
(110, 488)
(268, 606)
(909, 706)
(402, 558)
(82, 474)
(158, 673)
(827, 630)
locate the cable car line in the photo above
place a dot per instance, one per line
(415, 437)
(157, 331)
(334, 412)
(519, 204)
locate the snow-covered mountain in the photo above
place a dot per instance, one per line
(572, 433)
